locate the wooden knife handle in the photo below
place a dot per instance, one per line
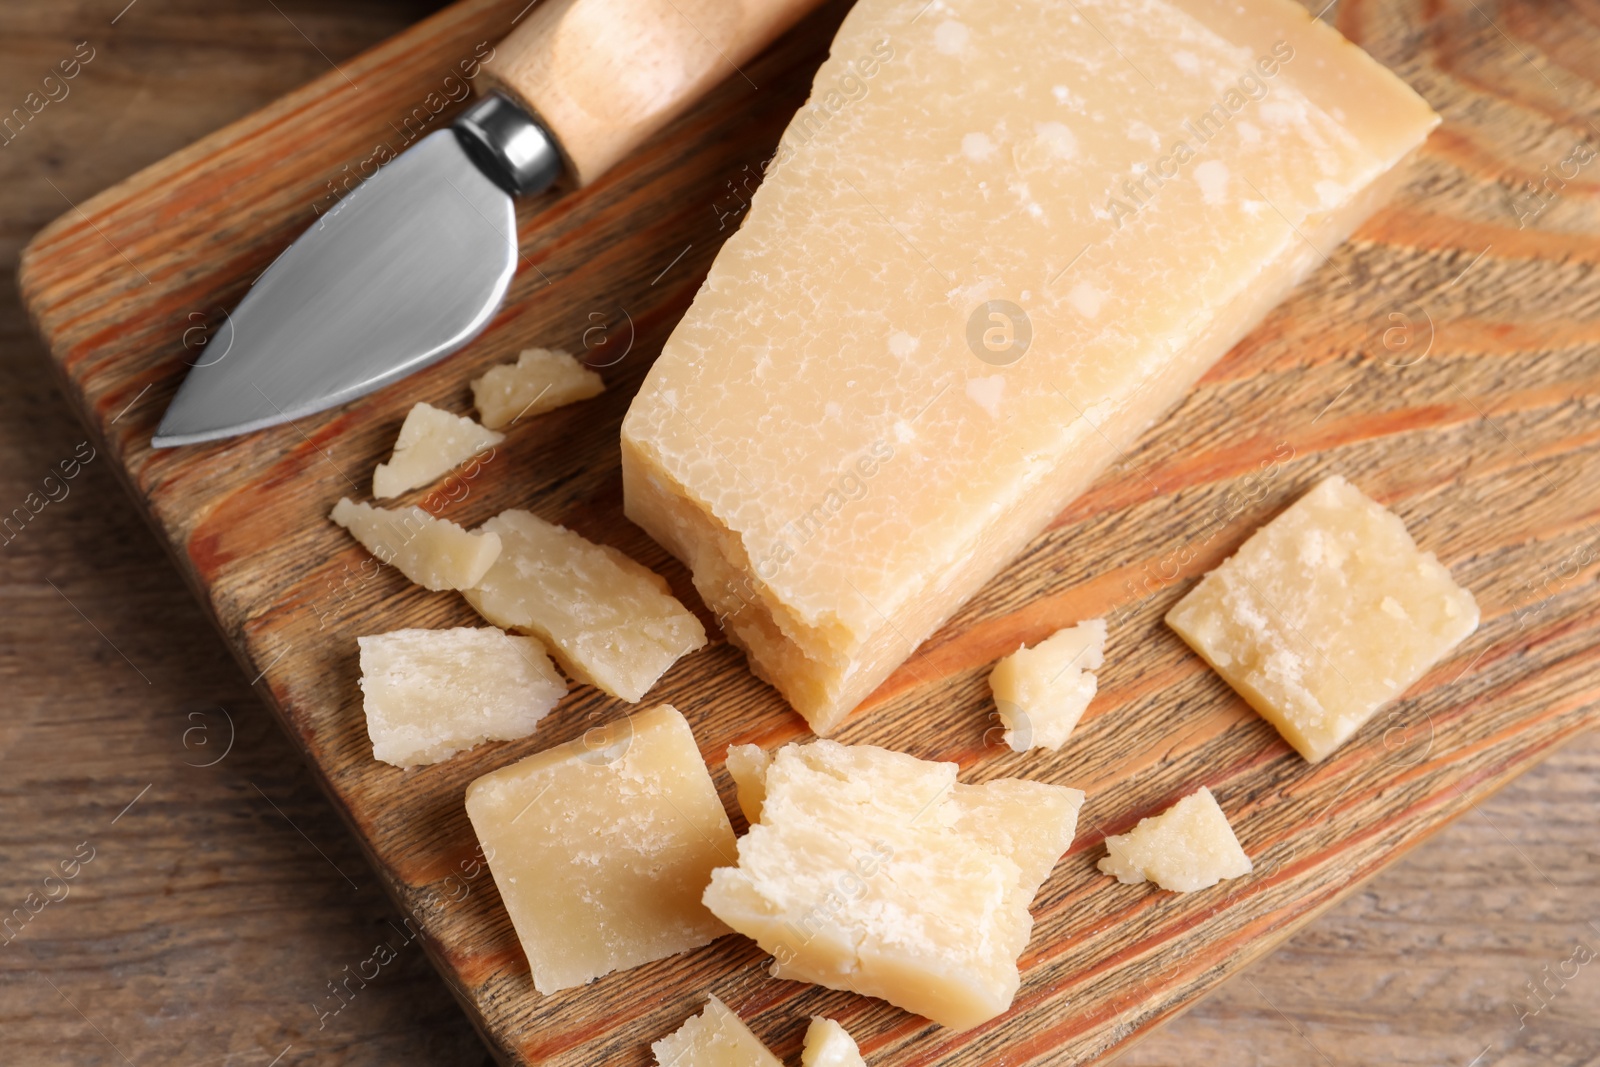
(603, 75)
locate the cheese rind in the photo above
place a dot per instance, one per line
(875, 871)
(1324, 615)
(1187, 847)
(714, 1038)
(609, 621)
(828, 439)
(828, 1044)
(602, 846)
(429, 694)
(431, 443)
(435, 553)
(1042, 692)
(541, 379)
(747, 766)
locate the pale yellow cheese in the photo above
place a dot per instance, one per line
(829, 1045)
(435, 553)
(1187, 847)
(602, 846)
(843, 438)
(609, 621)
(1042, 692)
(431, 443)
(429, 694)
(875, 871)
(540, 379)
(747, 766)
(1324, 615)
(714, 1038)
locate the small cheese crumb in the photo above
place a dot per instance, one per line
(747, 766)
(431, 442)
(429, 694)
(609, 621)
(434, 553)
(1187, 847)
(1041, 692)
(714, 1038)
(829, 1045)
(541, 379)
(601, 847)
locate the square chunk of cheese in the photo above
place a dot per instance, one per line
(431, 443)
(610, 621)
(541, 379)
(878, 872)
(1187, 847)
(429, 694)
(1324, 615)
(714, 1038)
(959, 292)
(829, 1045)
(435, 553)
(601, 848)
(1041, 692)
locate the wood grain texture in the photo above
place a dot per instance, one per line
(1485, 445)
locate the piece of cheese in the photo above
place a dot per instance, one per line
(602, 846)
(829, 1045)
(609, 621)
(435, 553)
(1187, 847)
(1324, 615)
(747, 766)
(878, 872)
(1041, 692)
(431, 443)
(714, 1038)
(540, 379)
(988, 255)
(429, 694)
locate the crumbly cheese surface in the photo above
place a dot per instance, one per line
(978, 267)
(714, 1038)
(435, 553)
(1042, 692)
(1187, 847)
(609, 621)
(1324, 615)
(429, 694)
(747, 766)
(601, 847)
(431, 443)
(878, 872)
(541, 379)
(829, 1045)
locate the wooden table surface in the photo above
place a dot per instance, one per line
(223, 895)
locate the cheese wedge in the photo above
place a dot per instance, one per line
(878, 872)
(434, 553)
(431, 443)
(829, 1045)
(1187, 847)
(999, 242)
(1324, 615)
(1042, 692)
(714, 1038)
(541, 379)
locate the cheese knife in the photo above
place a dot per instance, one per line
(413, 263)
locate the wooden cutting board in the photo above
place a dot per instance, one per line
(1447, 361)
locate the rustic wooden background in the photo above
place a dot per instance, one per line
(223, 898)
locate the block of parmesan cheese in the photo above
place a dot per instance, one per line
(541, 379)
(1187, 847)
(429, 694)
(1324, 615)
(714, 1038)
(601, 848)
(878, 872)
(829, 1045)
(1041, 692)
(609, 621)
(747, 766)
(431, 443)
(435, 553)
(1000, 241)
